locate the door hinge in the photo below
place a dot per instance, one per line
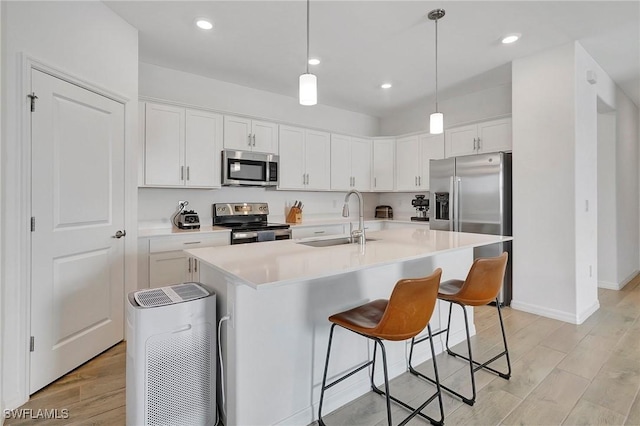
(33, 224)
(33, 98)
(32, 344)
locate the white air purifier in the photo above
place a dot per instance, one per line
(171, 356)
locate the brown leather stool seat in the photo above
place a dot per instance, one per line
(402, 317)
(482, 286)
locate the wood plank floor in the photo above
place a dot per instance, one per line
(586, 374)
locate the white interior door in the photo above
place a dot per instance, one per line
(77, 190)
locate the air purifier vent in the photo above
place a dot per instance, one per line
(154, 297)
(179, 378)
(169, 295)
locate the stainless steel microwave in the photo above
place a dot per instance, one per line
(245, 168)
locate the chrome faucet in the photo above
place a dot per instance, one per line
(358, 233)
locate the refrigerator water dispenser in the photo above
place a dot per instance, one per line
(442, 206)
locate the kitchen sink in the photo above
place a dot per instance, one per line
(331, 242)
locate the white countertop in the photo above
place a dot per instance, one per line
(263, 265)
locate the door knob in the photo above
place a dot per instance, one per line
(120, 234)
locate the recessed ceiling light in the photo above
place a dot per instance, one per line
(314, 61)
(204, 24)
(385, 86)
(511, 38)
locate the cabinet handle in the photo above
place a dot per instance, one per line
(249, 139)
(319, 232)
(474, 144)
(415, 179)
(189, 265)
(478, 144)
(195, 265)
(181, 172)
(375, 182)
(191, 242)
(354, 181)
(307, 178)
(419, 180)
(187, 172)
(254, 139)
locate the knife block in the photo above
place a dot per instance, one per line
(294, 215)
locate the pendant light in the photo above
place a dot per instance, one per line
(308, 90)
(436, 120)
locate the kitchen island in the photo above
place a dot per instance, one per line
(279, 295)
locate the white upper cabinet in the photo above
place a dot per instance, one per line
(304, 159)
(384, 153)
(181, 147)
(488, 136)
(431, 148)
(413, 154)
(350, 163)
(245, 134)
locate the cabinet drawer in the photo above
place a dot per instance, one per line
(317, 231)
(183, 242)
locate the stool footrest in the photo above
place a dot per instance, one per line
(414, 411)
(448, 389)
(346, 376)
(484, 365)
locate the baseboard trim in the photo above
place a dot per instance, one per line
(618, 286)
(582, 316)
(545, 312)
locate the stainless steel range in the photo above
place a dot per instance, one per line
(248, 222)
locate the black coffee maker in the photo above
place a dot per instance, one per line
(422, 208)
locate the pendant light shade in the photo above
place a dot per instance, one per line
(436, 123)
(436, 120)
(308, 88)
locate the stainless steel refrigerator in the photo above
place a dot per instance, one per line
(473, 194)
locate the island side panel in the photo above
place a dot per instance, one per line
(278, 340)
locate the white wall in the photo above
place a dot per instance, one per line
(164, 83)
(473, 106)
(607, 223)
(88, 41)
(555, 142)
(628, 187)
(544, 182)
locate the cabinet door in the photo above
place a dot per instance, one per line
(384, 153)
(495, 135)
(203, 147)
(169, 268)
(318, 160)
(292, 171)
(361, 163)
(432, 148)
(237, 133)
(407, 159)
(164, 145)
(265, 136)
(461, 140)
(341, 177)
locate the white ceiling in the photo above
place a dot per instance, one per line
(261, 44)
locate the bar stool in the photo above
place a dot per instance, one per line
(402, 317)
(481, 287)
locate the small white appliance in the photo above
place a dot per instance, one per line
(171, 356)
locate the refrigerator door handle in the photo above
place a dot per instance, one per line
(456, 210)
(452, 218)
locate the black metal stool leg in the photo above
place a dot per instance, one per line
(324, 376)
(504, 340)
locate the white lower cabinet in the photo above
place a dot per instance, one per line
(317, 231)
(163, 261)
